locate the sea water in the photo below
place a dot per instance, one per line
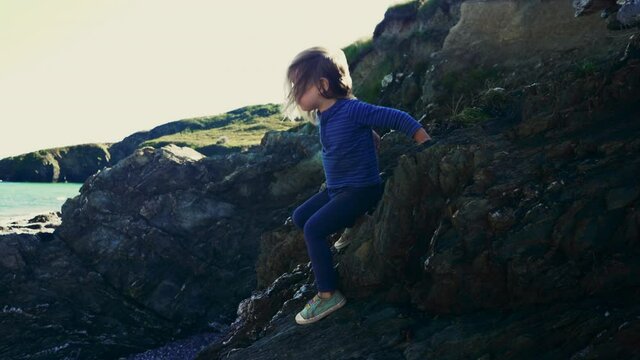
(19, 200)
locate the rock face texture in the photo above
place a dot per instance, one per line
(484, 245)
(515, 234)
(168, 235)
(54, 306)
(518, 32)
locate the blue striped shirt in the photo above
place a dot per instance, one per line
(348, 151)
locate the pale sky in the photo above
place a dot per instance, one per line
(85, 71)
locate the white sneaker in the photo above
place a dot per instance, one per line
(344, 239)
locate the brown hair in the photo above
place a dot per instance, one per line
(307, 68)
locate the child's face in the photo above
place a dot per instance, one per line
(310, 99)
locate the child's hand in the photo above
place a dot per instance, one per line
(421, 146)
(421, 136)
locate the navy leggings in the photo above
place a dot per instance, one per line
(324, 214)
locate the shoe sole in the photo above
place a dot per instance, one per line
(302, 321)
(343, 245)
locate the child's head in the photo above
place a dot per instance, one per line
(307, 69)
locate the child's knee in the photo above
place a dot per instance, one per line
(315, 229)
(298, 219)
(310, 230)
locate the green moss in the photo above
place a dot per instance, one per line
(495, 101)
(585, 67)
(470, 116)
(428, 8)
(369, 90)
(235, 129)
(356, 51)
(423, 9)
(469, 82)
(406, 6)
(206, 122)
(239, 131)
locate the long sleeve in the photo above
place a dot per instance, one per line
(384, 117)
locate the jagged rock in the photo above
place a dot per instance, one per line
(283, 240)
(53, 305)
(377, 329)
(584, 7)
(160, 220)
(173, 232)
(629, 13)
(512, 37)
(168, 230)
(44, 218)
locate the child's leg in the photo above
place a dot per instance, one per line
(303, 212)
(340, 211)
(344, 239)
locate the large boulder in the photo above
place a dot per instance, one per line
(177, 231)
(163, 244)
(204, 215)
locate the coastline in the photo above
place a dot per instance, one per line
(33, 207)
(32, 223)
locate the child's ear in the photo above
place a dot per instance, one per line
(325, 83)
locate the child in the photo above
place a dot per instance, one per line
(319, 87)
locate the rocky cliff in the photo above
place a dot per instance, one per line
(226, 133)
(66, 164)
(514, 235)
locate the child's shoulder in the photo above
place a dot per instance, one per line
(346, 103)
(350, 102)
(356, 105)
(355, 101)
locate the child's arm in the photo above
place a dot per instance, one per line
(386, 117)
